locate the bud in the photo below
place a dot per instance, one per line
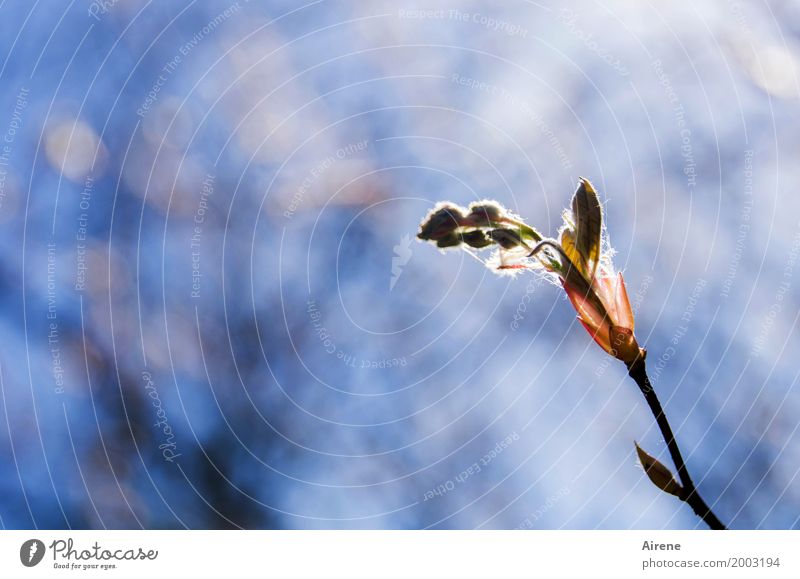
(476, 238)
(658, 474)
(486, 214)
(441, 222)
(623, 345)
(507, 238)
(452, 239)
(580, 259)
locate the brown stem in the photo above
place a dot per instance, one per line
(690, 496)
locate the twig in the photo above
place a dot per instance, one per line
(690, 496)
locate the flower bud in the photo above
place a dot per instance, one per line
(441, 222)
(507, 238)
(486, 214)
(476, 238)
(450, 240)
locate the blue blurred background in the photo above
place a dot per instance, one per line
(215, 313)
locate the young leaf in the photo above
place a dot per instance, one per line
(588, 217)
(568, 245)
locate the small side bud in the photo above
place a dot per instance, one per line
(658, 474)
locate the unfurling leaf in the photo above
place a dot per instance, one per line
(658, 474)
(588, 216)
(568, 245)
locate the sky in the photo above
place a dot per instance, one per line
(216, 313)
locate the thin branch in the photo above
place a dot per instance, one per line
(690, 496)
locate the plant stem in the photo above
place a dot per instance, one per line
(690, 496)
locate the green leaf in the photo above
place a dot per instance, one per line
(568, 245)
(588, 215)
